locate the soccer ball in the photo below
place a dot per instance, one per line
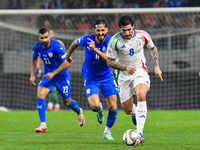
(131, 138)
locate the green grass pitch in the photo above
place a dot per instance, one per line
(164, 130)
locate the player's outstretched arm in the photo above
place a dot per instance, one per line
(98, 52)
(72, 47)
(63, 66)
(113, 64)
(33, 66)
(155, 56)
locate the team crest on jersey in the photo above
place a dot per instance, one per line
(50, 54)
(88, 91)
(138, 42)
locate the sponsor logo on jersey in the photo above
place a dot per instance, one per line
(50, 54)
(123, 46)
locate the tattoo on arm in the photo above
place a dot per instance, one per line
(113, 64)
(155, 56)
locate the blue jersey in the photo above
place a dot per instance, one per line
(52, 57)
(94, 66)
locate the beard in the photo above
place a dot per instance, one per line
(101, 39)
(45, 44)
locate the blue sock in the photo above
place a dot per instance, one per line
(73, 105)
(95, 110)
(112, 115)
(41, 106)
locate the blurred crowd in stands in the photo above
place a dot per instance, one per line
(77, 4)
(84, 22)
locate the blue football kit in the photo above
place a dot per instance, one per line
(53, 57)
(95, 70)
(98, 74)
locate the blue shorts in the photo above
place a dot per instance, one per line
(62, 85)
(108, 87)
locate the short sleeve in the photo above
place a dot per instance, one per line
(35, 51)
(60, 51)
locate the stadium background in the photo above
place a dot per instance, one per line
(178, 42)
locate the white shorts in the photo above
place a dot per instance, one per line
(127, 88)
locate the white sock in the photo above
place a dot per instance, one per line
(134, 110)
(107, 129)
(43, 123)
(141, 116)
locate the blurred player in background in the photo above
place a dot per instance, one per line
(98, 74)
(56, 74)
(53, 96)
(126, 55)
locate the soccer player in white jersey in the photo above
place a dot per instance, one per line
(125, 54)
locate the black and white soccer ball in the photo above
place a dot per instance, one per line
(131, 138)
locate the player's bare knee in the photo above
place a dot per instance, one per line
(141, 97)
(40, 95)
(127, 111)
(94, 107)
(113, 107)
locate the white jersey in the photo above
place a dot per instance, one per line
(130, 52)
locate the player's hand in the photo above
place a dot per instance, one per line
(70, 60)
(32, 80)
(91, 44)
(131, 69)
(49, 75)
(158, 72)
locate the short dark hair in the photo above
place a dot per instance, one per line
(125, 20)
(100, 21)
(43, 31)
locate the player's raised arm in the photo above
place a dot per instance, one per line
(33, 66)
(98, 52)
(72, 47)
(155, 56)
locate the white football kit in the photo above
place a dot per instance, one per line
(130, 52)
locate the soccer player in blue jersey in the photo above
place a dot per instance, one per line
(98, 74)
(56, 74)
